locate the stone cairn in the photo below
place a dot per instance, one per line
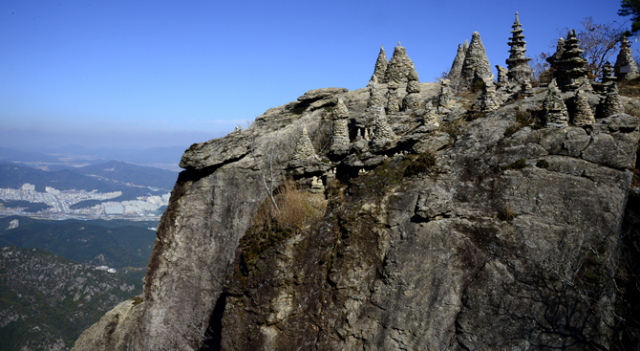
(607, 74)
(526, 89)
(393, 101)
(381, 67)
(475, 61)
(430, 117)
(625, 67)
(304, 147)
(445, 100)
(488, 101)
(502, 75)
(555, 58)
(554, 110)
(399, 67)
(583, 115)
(316, 186)
(572, 71)
(413, 100)
(456, 67)
(340, 139)
(383, 131)
(518, 63)
(612, 104)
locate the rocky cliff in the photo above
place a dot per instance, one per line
(475, 222)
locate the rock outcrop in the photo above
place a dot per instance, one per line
(625, 67)
(470, 232)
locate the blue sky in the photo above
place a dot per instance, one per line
(163, 73)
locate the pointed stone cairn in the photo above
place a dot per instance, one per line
(445, 100)
(340, 116)
(526, 89)
(607, 74)
(572, 71)
(393, 101)
(518, 63)
(488, 101)
(399, 67)
(465, 46)
(554, 110)
(383, 131)
(475, 61)
(502, 75)
(625, 67)
(555, 58)
(456, 67)
(583, 115)
(430, 117)
(413, 100)
(381, 67)
(612, 104)
(304, 147)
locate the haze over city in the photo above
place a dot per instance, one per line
(141, 74)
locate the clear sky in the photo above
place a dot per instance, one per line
(163, 73)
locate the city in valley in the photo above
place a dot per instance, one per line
(61, 201)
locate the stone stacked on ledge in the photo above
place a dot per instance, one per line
(381, 67)
(488, 101)
(518, 63)
(304, 148)
(399, 67)
(572, 71)
(340, 140)
(413, 100)
(456, 67)
(612, 104)
(625, 67)
(555, 58)
(476, 62)
(607, 74)
(383, 130)
(583, 115)
(554, 110)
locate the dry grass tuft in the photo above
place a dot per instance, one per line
(297, 207)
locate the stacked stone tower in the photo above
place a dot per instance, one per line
(625, 67)
(340, 142)
(555, 58)
(476, 62)
(572, 71)
(518, 63)
(399, 68)
(304, 148)
(381, 67)
(456, 67)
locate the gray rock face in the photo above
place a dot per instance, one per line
(468, 237)
(381, 67)
(625, 67)
(399, 68)
(475, 61)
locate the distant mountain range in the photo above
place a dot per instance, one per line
(70, 156)
(128, 173)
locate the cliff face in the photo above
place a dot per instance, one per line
(480, 231)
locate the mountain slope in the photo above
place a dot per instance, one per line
(47, 301)
(128, 173)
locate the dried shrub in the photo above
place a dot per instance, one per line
(422, 164)
(452, 128)
(506, 214)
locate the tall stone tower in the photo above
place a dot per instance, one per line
(518, 63)
(625, 67)
(572, 71)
